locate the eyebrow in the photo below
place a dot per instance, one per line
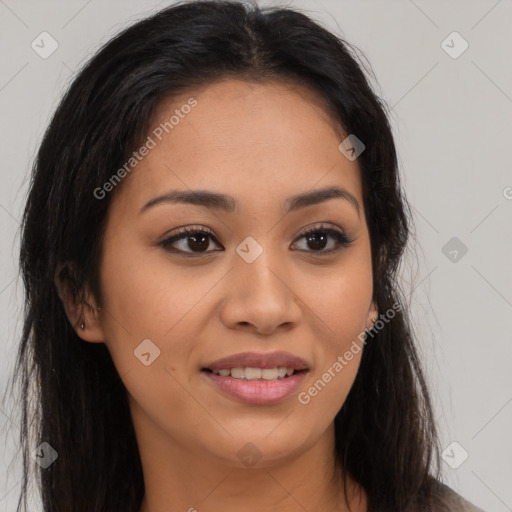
(217, 201)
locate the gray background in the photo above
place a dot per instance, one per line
(452, 118)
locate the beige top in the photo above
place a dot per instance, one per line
(456, 503)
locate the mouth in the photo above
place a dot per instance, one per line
(257, 379)
(251, 374)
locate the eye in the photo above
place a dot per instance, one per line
(318, 238)
(198, 240)
(195, 241)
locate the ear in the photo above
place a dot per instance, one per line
(80, 306)
(373, 314)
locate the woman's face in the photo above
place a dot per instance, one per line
(249, 283)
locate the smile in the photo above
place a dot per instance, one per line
(256, 373)
(256, 386)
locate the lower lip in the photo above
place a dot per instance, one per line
(257, 392)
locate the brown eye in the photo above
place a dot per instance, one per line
(194, 241)
(317, 238)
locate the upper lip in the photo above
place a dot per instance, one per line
(259, 360)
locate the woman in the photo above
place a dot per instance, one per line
(210, 249)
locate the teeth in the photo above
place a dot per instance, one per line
(238, 373)
(253, 373)
(271, 373)
(256, 373)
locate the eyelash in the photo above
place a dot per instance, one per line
(186, 232)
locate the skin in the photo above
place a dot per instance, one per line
(260, 143)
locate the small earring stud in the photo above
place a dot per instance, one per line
(82, 325)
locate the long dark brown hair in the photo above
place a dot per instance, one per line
(70, 393)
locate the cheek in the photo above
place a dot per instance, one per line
(339, 309)
(340, 300)
(149, 295)
(147, 301)
(341, 315)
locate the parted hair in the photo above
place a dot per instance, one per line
(70, 393)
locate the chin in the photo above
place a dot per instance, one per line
(262, 451)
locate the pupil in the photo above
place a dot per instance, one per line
(316, 238)
(203, 246)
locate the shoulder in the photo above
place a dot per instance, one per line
(454, 502)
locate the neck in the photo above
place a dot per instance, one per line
(196, 482)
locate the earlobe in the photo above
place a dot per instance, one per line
(90, 327)
(80, 306)
(373, 314)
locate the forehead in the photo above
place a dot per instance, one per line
(230, 102)
(243, 138)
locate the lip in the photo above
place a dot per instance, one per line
(258, 392)
(259, 360)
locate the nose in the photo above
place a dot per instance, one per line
(260, 296)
